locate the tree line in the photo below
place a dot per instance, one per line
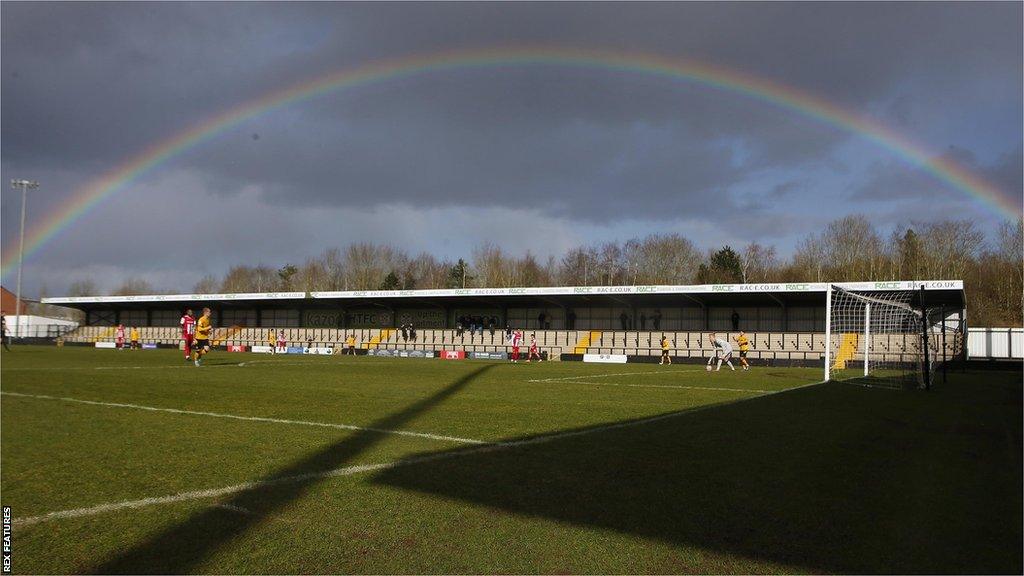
(848, 249)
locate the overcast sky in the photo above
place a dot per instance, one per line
(528, 157)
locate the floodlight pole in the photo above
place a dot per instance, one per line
(24, 185)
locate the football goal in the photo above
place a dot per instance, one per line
(887, 339)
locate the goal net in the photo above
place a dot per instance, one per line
(882, 339)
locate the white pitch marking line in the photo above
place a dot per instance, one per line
(155, 367)
(350, 470)
(751, 390)
(251, 418)
(597, 376)
(190, 366)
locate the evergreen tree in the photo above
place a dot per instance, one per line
(391, 282)
(910, 255)
(458, 276)
(725, 267)
(285, 273)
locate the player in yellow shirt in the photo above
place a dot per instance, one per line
(350, 345)
(272, 341)
(744, 343)
(665, 358)
(135, 338)
(202, 344)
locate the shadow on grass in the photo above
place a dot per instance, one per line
(831, 478)
(181, 548)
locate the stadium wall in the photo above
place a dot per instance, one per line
(767, 348)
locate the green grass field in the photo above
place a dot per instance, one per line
(136, 462)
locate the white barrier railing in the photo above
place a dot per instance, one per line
(1001, 343)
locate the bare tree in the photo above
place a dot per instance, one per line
(239, 279)
(492, 268)
(610, 264)
(995, 285)
(429, 273)
(264, 279)
(847, 249)
(852, 248)
(133, 286)
(757, 262)
(207, 285)
(578, 267)
(528, 272)
(333, 263)
(83, 287)
(809, 260)
(312, 276)
(949, 246)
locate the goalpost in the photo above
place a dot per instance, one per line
(888, 339)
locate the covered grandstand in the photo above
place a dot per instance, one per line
(785, 321)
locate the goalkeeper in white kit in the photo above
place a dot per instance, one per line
(723, 352)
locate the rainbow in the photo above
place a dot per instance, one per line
(701, 73)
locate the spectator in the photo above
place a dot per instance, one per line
(508, 332)
(480, 324)
(735, 320)
(540, 320)
(624, 319)
(643, 321)
(405, 333)
(412, 332)
(459, 326)
(492, 324)
(656, 319)
(570, 319)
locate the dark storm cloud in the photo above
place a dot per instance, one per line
(893, 181)
(97, 78)
(87, 85)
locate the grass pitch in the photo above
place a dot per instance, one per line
(137, 462)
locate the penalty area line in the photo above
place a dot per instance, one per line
(350, 470)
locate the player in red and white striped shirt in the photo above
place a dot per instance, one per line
(188, 331)
(517, 339)
(120, 336)
(534, 351)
